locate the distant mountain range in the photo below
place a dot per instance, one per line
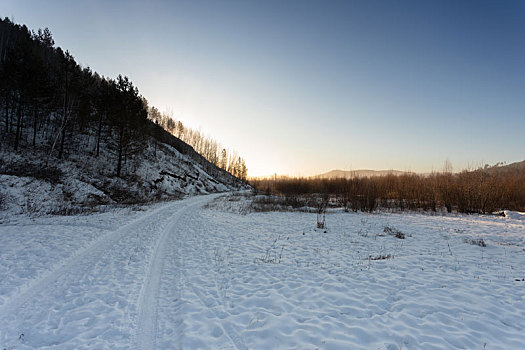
(498, 168)
(349, 174)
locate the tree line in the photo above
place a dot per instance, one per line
(484, 190)
(210, 149)
(48, 102)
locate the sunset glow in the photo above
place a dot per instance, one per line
(303, 88)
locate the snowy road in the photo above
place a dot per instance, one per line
(180, 276)
(101, 296)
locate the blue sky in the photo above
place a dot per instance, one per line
(303, 87)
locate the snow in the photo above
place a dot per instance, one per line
(86, 181)
(515, 215)
(185, 275)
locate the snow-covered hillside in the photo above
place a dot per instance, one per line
(72, 140)
(37, 184)
(198, 274)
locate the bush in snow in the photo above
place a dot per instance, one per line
(47, 173)
(394, 232)
(3, 200)
(479, 242)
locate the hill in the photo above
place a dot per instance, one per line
(72, 141)
(500, 168)
(349, 174)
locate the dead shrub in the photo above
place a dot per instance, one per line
(479, 242)
(381, 257)
(394, 232)
(47, 173)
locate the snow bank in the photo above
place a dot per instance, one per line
(37, 197)
(514, 215)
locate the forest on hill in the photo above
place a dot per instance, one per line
(485, 190)
(47, 98)
(90, 139)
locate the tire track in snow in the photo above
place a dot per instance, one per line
(146, 329)
(98, 227)
(179, 267)
(78, 261)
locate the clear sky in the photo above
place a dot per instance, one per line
(304, 87)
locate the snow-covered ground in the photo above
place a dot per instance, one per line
(180, 276)
(82, 182)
